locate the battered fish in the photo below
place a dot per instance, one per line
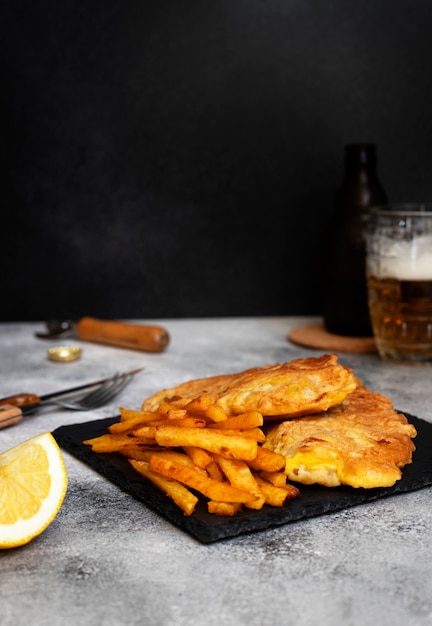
(362, 442)
(300, 387)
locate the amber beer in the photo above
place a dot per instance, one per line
(401, 316)
(399, 274)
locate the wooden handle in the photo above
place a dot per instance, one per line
(9, 415)
(122, 334)
(21, 399)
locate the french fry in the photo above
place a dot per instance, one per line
(201, 404)
(229, 446)
(166, 407)
(145, 431)
(199, 456)
(139, 453)
(126, 425)
(223, 508)
(278, 479)
(216, 413)
(178, 457)
(177, 414)
(275, 496)
(267, 460)
(293, 492)
(212, 489)
(142, 453)
(186, 500)
(240, 422)
(214, 471)
(114, 443)
(183, 422)
(239, 475)
(144, 416)
(257, 504)
(251, 433)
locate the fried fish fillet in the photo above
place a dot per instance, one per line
(362, 442)
(300, 387)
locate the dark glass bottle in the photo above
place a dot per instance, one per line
(345, 302)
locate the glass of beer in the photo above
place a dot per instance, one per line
(399, 276)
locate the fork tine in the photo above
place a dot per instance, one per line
(102, 395)
(100, 392)
(110, 391)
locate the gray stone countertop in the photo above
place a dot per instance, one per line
(107, 559)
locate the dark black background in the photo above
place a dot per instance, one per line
(166, 158)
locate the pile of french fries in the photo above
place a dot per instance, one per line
(200, 448)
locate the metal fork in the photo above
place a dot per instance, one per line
(99, 397)
(11, 414)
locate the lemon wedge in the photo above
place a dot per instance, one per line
(33, 483)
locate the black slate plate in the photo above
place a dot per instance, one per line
(313, 500)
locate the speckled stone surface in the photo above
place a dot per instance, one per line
(107, 559)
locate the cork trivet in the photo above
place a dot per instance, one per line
(316, 336)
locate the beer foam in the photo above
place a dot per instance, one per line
(406, 260)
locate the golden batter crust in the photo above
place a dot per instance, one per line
(362, 442)
(300, 387)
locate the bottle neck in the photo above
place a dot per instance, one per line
(360, 164)
(361, 187)
(362, 154)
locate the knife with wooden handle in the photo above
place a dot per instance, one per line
(12, 408)
(10, 415)
(144, 337)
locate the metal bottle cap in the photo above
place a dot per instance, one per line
(64, 354)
